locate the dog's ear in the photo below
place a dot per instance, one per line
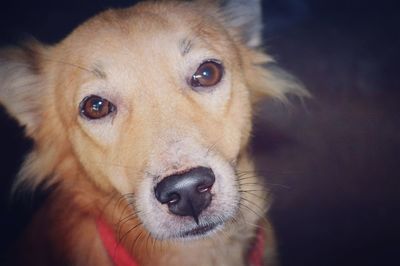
(245, 17)
(21, 85)
(242, 17)
(265, 78)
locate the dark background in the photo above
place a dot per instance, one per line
(332, 163)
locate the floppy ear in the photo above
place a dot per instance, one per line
(21, 85)
(244, 16)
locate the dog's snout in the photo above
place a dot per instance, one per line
(187, 194)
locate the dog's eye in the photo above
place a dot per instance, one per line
(95, 107)
(208, 74)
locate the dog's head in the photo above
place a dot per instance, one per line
(154, 102)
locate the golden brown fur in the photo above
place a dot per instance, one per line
(137, 57)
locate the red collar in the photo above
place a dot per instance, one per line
(256, 253)
(120, 256)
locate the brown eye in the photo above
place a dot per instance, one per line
(95, 107)
(208, 74)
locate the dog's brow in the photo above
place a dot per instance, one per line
(185, 45)
(98, 72)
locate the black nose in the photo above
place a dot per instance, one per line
(187, 194)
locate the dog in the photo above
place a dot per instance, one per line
(141, 120)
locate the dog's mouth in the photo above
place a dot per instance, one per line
(201, 230)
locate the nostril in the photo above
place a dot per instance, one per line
(203, 188)
(173, 198)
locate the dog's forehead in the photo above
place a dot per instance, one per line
(144, 29)
(130, 44)
(126, 36)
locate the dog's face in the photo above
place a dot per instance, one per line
(166, 98)
(153, 102)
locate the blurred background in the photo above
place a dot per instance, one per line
(332, 163)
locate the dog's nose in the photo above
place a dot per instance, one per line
(187, 194)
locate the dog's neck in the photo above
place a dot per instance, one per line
(227, 247)
(121, 257)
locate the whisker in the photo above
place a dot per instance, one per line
(129, 216)
(211, 148)
(246, 177)
(251, 224)
(254, 204)
(252, 184)
(255, 195)
(251, 210)
(252, 190)
(147, 242)
(153, 246)
(134, 242)
(130, 230)
(264, 171)
(108, 202)
(122, 222)
(46, 58)
(263, 183)
(125, 208)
